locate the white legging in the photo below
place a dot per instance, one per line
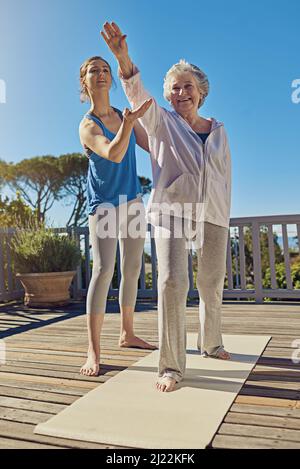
(104, 257)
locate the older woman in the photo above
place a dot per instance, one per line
(191, 182)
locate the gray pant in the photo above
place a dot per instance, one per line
(173, 286)
(104, 257)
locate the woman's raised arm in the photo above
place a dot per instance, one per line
(116, 41)
(92, 137)
(130, 77)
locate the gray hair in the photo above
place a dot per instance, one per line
(181, 67)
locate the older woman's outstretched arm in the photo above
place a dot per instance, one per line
(116, 41)
(130, 76)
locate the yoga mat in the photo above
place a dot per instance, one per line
(128, 410)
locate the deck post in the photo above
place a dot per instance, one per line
(257, 262)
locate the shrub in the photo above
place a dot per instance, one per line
(39, 250)
(281, 275)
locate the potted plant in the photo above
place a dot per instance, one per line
(45, 263)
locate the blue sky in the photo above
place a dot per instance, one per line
(249, 50)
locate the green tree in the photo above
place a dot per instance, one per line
(15, 213)
(42, 180)
(146, 185)
(281, 276)
(38, 180)
(264, 249)
(3, 166)
(74, 167)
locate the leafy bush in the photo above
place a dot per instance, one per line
(281, 275)
(39, 249)
(15, 213)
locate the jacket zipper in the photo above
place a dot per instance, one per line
(204, 148)
(204, 151)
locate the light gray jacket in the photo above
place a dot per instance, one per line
(185, 171)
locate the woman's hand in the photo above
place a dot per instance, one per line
(115, 40)
(131, 116)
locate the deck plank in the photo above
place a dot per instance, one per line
(240, 442)
(41, 396)
(45, 350)
(273, 421)
(261, 431)
(24, 432)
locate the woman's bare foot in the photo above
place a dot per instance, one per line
(91, 366)
(135, 342)
(166, 384)
(223, 355)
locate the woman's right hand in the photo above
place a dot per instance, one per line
(132, 115)
(115, 40)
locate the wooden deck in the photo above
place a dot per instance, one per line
(45, 350)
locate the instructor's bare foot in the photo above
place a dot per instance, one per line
(166, 384)
(91, 366)
(135, 342)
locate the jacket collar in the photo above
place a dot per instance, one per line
(215, 122)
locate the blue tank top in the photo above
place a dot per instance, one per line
(108, 180)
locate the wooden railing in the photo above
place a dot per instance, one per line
(244, 269)
(238, 257)
(10, 287)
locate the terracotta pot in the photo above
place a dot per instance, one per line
(47, 289)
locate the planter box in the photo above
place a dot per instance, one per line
(47, 289)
